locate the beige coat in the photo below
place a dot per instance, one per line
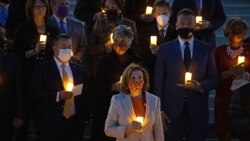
(121, 114)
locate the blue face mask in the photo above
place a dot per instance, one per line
(63, 11)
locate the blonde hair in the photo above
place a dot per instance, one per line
(127, 73)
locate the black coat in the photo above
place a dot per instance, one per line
(11, 91)
(239, 111)
(109, 72)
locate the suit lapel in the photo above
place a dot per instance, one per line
(74, 72)
(148, 109)
(57, 74)
(54, 22)
(195, 54)
(69, 27)
(177, 52)
(127, 103)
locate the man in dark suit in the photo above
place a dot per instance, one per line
(11, 91)
(212, 13)
(60, 112)
(66, 25)
(185, 104)
(160, 28)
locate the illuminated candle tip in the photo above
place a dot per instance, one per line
(198, 19)
(149, 10)
(153, 40)
(69, 87)
(241, 59)
(140, 119)
(188, 77)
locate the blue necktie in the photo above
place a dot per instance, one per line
(61, 27)
(187, 56)
(3, 16)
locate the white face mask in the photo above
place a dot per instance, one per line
(162, 20)
(65, 55)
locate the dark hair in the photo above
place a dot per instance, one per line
(235, 25)
(120, 4)
(186, 12)
(162, 3)
(59, 37)
(29, 9)
(124, 30)
(127, 73)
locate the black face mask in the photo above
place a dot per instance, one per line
(112, 14)
(184, 32)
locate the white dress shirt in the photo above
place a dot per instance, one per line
(182, 46)
(70, 76)
(165, 28)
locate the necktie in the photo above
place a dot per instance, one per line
(61, 28)
(68, 104)
(187, 56)
(162, 31)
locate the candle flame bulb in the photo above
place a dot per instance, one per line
(149, 10)
(188, 77)
(198, 19)
(69, 87)
(153, 40)
(241, 59)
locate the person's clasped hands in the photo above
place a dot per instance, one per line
(193, 85)
(236, 71)
(134, 126)
(154, 49)
(202, 25)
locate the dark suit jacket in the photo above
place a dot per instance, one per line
(76, 31)
(11, 87)
(85, 11)
(46, 82)
(144, 50)
(16, 16)
(170, 71)
(212, 10)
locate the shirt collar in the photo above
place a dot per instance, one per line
(182, 42)
(59, 63)
(58, 19)
(165, 28)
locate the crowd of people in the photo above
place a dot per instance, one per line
(133, 75)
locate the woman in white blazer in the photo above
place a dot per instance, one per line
(133, 102)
